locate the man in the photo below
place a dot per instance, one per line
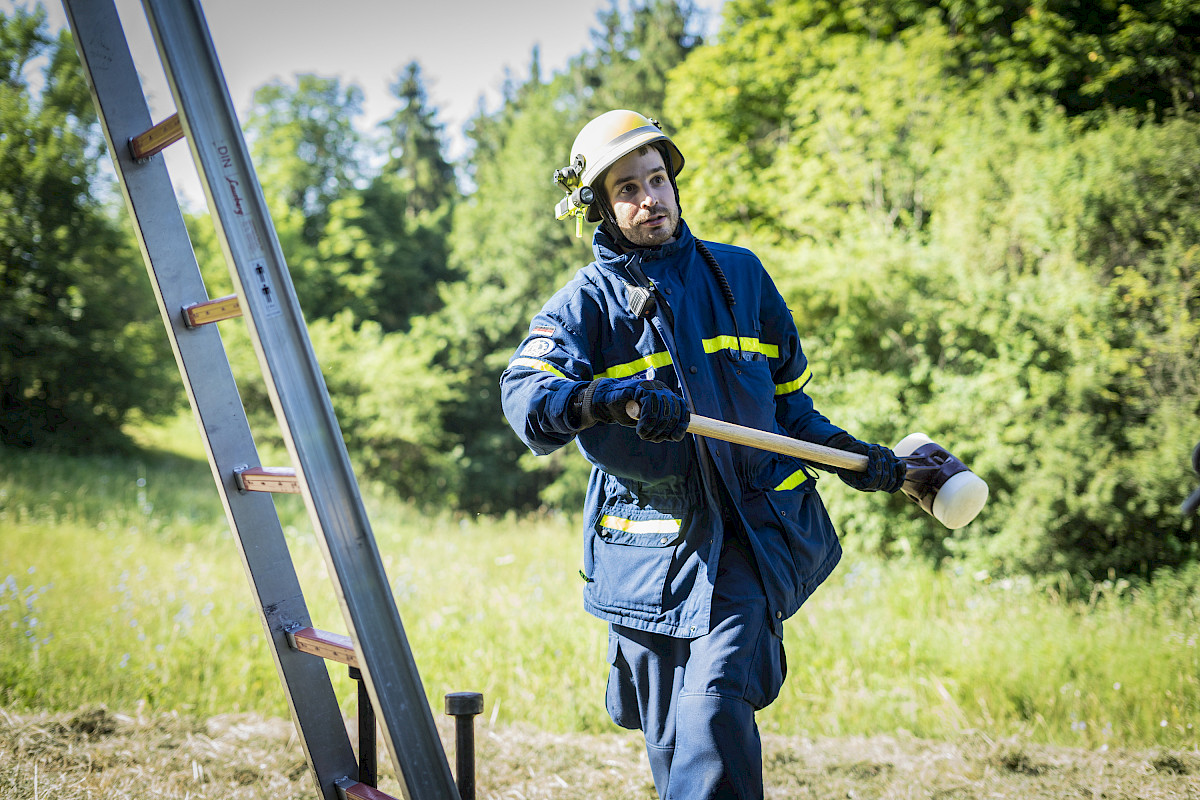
(696, 550)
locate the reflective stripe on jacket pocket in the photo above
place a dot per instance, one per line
(617, 529)
(631, 555)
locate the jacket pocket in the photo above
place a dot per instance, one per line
(795, 539)
(621, 695)
(632, 549)
(807, 538)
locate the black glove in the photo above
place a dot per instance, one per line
(885, 470)
(662, 415)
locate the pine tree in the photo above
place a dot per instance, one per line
(415, 145)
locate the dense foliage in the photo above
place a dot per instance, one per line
(983, 214)
(81, 345)
(1018, 281)
(367, 248)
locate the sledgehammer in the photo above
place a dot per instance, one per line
(935, 480)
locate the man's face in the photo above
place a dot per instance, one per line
(642, 198)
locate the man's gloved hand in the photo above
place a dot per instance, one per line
(662, 416)
(885, 470)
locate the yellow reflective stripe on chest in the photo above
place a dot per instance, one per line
(792, 481)
(749, 345)
(792, 386)
(653, 361)
(537, 363)
(641, 525)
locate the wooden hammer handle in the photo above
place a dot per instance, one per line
(773, 442)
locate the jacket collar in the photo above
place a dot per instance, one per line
(610, 257)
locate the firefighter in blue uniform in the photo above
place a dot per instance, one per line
(695, 550)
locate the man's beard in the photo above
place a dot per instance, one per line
(650, 237)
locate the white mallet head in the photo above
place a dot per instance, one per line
(939, 482)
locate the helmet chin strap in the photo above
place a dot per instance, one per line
(608, 221)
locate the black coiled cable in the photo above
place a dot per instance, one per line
(723, 282)
(717, 273)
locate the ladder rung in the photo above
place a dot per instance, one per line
(157, 139)
(361, 791)
(330, 646)
(211, 311)
(276, 480)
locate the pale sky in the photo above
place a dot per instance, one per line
(464, 47)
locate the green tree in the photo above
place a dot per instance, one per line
(412, 203)
(387, 396)
(511, 255)
(382, 263)
(81, 345)
(786, 139)
(374, 245)
(415, 146)
(1111, 54)
(305, 145)
(1083, 54)
(632, 56)
(306, 153)
(372, 265)
(964, 258)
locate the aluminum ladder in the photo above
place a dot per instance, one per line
(265, 298)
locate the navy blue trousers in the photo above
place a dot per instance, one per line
(694, 699)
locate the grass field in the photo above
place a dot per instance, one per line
(94, 754)
(121, 585)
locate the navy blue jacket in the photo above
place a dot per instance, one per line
(653, 519)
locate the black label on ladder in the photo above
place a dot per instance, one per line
(236, 188)
(266, 292)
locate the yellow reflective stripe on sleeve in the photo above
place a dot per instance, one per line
(792, 481)
(792, 386)
(749, 345)
(537, 363)
(653, 361)
(641, 526)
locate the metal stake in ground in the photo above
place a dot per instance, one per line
(464, 706)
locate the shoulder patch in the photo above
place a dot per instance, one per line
(543, 330)
(538, 347)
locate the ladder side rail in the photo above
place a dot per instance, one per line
(299, 396)
(211, 389)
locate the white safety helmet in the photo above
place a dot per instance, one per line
(601, 143)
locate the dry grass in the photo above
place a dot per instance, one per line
(94, 753)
